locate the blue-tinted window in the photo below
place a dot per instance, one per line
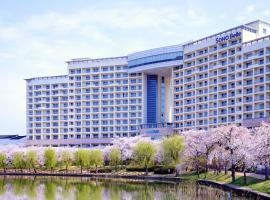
(152, 91)
(156, 59)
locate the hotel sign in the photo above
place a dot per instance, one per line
(228, 37)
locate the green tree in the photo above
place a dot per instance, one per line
(95, 158)
(50, 158)
(172, 147)
(3, 161)
(18, 161)
(32, 160)
(144, 153)
(66, 159)
(81, 158)
(115, 158)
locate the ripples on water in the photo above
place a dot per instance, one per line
(55, 188)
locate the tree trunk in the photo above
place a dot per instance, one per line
(146, 170)
(233, 173)
(81, 169)
(197, 169)
(266, 172)
(96, 169)
(245, 177)
(205, 175)
(176, 173)
(206, 164)
(226, 170)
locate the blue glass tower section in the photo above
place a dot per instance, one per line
(152, 94)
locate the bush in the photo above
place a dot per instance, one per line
(101, 170)
(105, 170)
(164, 170)
(141, 169)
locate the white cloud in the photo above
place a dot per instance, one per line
(266, 13)
(250, 8)
(246, 13)
(241, 18)
(196, 17)
(9, 33)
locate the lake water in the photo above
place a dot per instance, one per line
(55, 188)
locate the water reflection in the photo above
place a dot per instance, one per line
(54, 188)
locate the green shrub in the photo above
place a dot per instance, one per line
(102, 170)
(164, 170)
(141, 169)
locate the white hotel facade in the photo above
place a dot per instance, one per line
(217, 80)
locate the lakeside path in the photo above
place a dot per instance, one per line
(258, 176)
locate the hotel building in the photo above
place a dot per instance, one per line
(217, 80)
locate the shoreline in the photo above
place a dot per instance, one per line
(242, 191)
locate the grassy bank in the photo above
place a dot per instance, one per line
(253, 183)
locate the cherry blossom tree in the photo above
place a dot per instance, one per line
(262, 146)
(193, 148)
(219, 159)
(231, 139)
(245, 156)
(209, 141)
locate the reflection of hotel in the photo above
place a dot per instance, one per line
(220, 79)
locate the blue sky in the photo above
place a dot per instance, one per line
(38, 36)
